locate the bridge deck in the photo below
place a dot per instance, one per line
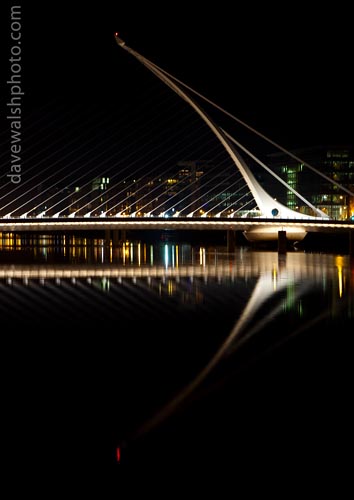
(125, 223)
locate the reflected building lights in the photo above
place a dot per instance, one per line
(166, 255)
(151, 255)
(173, 255)
(340, 281)
(274, 278)
(105, 284)
(190, 284)
(290, 296)
(339, 264)
(93, 258)
(300, 309)
(202, 256)
(123, 253)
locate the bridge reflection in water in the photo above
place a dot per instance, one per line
(178, 346)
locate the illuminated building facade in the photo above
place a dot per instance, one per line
(336, 163)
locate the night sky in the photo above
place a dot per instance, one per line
(284, 71)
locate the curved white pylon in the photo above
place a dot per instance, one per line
(269, 207)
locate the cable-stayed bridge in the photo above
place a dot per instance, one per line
(208, 194)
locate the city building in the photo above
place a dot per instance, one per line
(335, 163)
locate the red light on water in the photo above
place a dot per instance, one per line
(118, 454)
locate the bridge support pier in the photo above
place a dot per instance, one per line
(107, 237)
(122, 235)
(230, 240)
(116, 235)
(282, 242)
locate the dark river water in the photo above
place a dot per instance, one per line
(170, 353)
